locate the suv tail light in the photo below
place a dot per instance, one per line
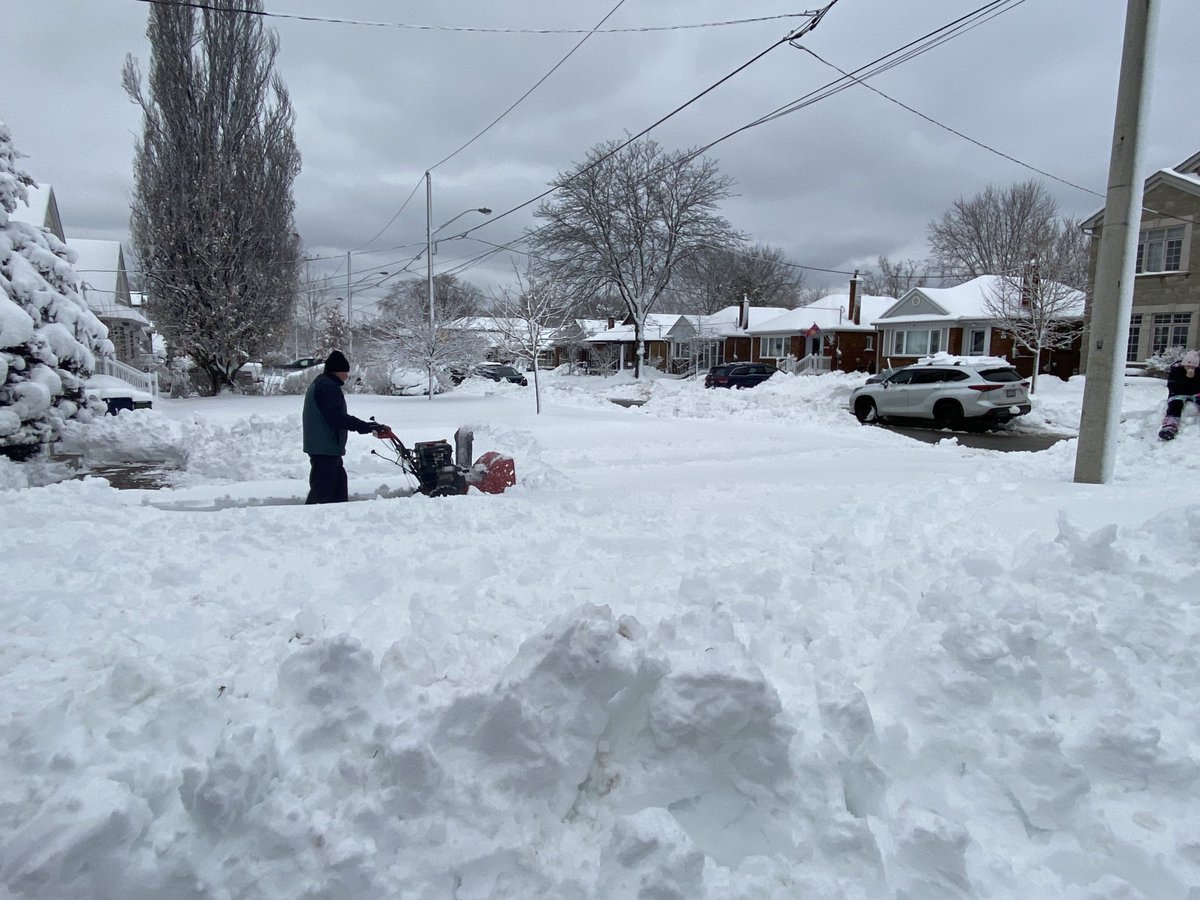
(984, 388)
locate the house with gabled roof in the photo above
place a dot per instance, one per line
(1166, 287)
(569, 341)
(836, 333)
(720, 337)
(959, 320)
(618, 342)
(101, 266)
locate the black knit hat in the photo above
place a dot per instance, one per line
(336, 362)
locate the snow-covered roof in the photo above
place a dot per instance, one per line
(658, 327)
(1185, 176)
(963, 302)
(101, 265)
(829, 313)
(40, 209)
(724, 322)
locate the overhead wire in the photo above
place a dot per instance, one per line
(469, 29)
(535, 86)
(812, 24)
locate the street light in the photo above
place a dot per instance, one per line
(430, 231)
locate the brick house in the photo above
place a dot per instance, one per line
(956, 320)
(833, 333)
(1166, 288)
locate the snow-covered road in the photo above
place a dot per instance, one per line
(725, 644)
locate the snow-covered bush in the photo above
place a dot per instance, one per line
(1158, 364)
(49, 339)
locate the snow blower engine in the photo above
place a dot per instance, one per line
(442, 472)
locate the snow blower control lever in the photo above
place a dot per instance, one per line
(442, 472)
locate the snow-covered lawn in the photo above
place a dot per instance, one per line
(722, 645)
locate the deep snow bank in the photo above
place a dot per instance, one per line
(858, 667)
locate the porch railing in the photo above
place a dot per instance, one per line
(143, 381)
(812, 364)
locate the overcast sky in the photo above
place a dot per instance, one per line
(834, 185)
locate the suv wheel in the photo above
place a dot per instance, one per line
(864, 410)
(948, 414)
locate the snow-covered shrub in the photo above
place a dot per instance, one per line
(1158, 364)
(49, 339)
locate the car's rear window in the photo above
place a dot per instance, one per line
(1005, 374)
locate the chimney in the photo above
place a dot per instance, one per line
(744, 314)
(612, 323)
(855, 306)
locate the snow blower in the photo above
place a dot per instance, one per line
(441, 472)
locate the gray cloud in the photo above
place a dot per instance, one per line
(835, 185)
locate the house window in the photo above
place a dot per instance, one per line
(1170, 330)
(681, 350)
(1135, 338)
(775, 347)
(1160, 249)
(916, 342)
(870, 345)
(977, 342)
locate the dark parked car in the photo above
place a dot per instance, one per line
(498, 372)
(738, 375)
(304, 362)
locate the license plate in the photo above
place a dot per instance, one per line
(1010, 392)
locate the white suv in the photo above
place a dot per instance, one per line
(950, 394)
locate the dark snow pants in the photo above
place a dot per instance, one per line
(327, 480)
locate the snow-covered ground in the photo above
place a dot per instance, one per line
(722, 645)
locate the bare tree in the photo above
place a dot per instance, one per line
(716, 277)
(212, 217)
(997, 232)
(527, 315)
(402, 333)
(894, 279)
(1039, 313)
(313, 302)
(333, 334)
(624, 219)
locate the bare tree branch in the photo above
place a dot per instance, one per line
(622, 223)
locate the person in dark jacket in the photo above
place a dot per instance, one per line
(1183, 384)
(326, 425)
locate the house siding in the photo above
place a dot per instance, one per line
(1160, 293)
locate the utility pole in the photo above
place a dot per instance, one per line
(1112, 298)
(349, 310)
(429, 270)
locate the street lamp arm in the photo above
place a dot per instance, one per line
(480, 209)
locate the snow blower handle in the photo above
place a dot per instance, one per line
(381, 431)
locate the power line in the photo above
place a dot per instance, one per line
(812, 23)
(495, 121)
(472, 29)
(536, 85)
(946, 127)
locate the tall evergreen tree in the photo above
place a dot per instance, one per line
(212, 218)
(49, 339)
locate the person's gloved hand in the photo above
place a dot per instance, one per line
(381, 431)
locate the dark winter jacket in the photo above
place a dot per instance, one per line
(326, 422)
(1178, 383)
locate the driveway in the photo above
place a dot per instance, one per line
(1010, 441)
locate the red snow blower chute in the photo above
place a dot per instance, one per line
(442, 472)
